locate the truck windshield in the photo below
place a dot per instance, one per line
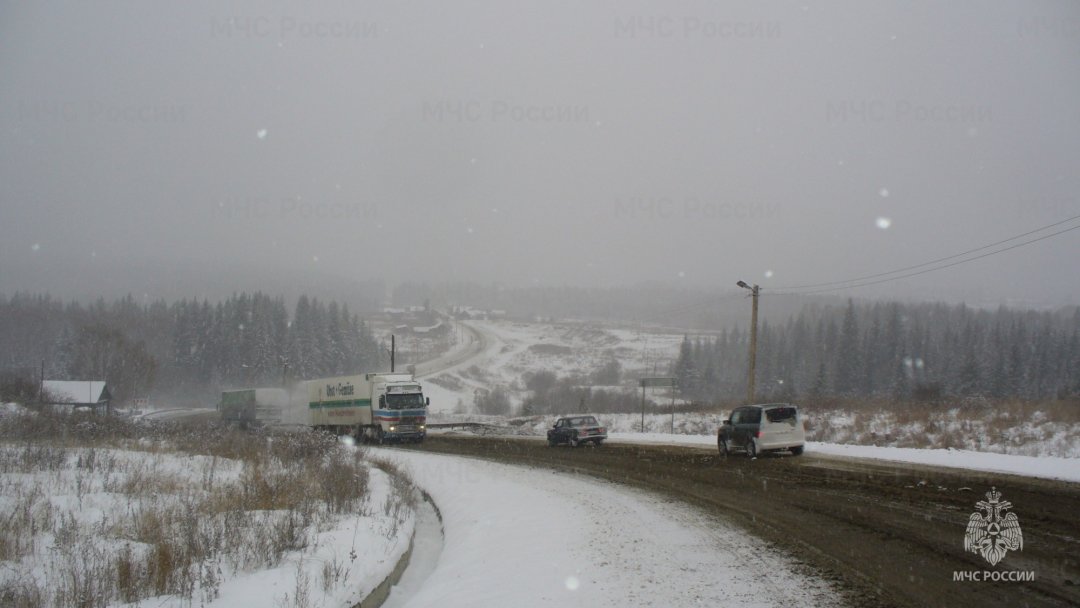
(404, 401)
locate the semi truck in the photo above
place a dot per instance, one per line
(381, 407)
(252, 407)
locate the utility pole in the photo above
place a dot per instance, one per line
(672, 407)
(642, 406)
(393, 347)
(754, 292)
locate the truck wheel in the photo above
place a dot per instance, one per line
(751, 449)
(797, 451)
(552, 443)
(724, 449)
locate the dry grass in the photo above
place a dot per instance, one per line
(1034, 428)
(238, 502)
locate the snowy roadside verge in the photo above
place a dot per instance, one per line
(1047, 467)
(517, 536)
(145, 523)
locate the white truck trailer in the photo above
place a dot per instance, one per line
(380, 407)
(251, 407)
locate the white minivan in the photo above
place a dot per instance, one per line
(756, 429)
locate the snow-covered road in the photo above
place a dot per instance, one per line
(516, 536)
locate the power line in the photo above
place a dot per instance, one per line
(865, 280)
(924, 264)
(936, 268)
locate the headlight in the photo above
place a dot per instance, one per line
(393, 428)
(422, 427)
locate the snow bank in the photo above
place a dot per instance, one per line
(1048, 467)
(1065, 469)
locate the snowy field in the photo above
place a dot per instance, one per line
(512, 350)
(146, 527)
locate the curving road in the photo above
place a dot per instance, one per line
(476, 343)
(889, 534)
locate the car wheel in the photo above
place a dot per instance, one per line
(598, 442)
(552, 443)
(572, 442)
(751, 449)
(797, 451)
(723, 445)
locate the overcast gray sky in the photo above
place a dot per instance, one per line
(546, 142)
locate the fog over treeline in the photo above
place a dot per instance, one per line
(184, 351)
(893, 351)
(189, 349)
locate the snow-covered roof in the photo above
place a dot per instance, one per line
(76, 391)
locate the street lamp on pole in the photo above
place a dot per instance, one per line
(754, 291)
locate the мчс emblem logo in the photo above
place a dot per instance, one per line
(991, 531)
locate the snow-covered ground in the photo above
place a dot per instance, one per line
(78, 516)
(1010, 428)
(511, 350)
(1065, 469)
(521, 537)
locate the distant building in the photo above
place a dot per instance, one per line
(71, 394)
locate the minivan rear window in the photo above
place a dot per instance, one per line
(780, 414)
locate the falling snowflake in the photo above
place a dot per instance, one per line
(572, 583)
(36, 247)
(884, 192)
(261, 133)
(884, 223)
(768, 274)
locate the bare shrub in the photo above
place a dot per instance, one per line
(1034, 428)
(255, 500)
(301, 597)
(334, 572)
(21, 594)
